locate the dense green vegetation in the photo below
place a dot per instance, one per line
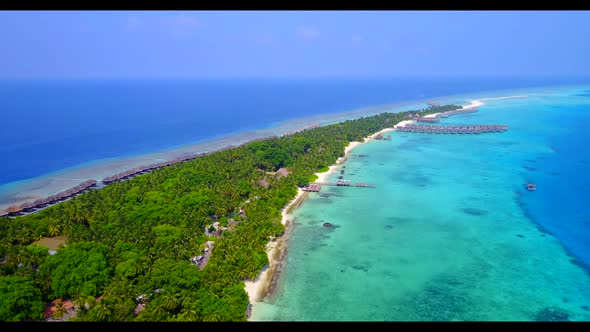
(137, 236)
(323, 169)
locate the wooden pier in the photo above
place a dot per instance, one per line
(346, 183)
(317, 186)
(313, 187)
(465, 129)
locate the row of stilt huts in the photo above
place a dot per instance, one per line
(312, 126)
(49, 200)
(469, 129)
(27, 207)
(449, 129)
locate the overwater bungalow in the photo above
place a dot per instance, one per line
(27, 207)
(14, 210)
(39, 203)
(531, 187)
(312, 187)
(379, 137)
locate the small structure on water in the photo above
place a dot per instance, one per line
(379, 137)
(312, 187)
(341, 182)
(531, 187)
(455, 129)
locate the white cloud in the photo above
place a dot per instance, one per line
(307, 32)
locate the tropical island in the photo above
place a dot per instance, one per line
(175, 244)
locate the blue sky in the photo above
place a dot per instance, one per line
(292, 44)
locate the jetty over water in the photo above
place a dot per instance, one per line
(317, 186)
(465, 129)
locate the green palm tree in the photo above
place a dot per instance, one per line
(53, 230)
(102, 311)
(190, 315)
(159, 311)
(211, 317)
(170, 301)
(89, 302)
(79, 301)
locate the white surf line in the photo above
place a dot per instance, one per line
(505, 97)
(474, 103)
(479, 102)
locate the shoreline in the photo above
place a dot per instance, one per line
(42, 186)
(276, 249)
(18, 192)
(258, 288)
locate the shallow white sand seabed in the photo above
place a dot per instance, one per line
(255, 287)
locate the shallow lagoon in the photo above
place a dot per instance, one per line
(450, 233)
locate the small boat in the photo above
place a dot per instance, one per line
(531, 187)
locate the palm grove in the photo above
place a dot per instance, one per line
(137, 236)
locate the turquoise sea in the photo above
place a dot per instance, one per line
(450, 233)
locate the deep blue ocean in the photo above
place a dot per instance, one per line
(52, 125)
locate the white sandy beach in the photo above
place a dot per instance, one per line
(403, 123)
(504, 97)
(474, 103)
(255, 287)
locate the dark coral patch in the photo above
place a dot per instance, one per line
(475, 212)
(552, 314)
(360, 268)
